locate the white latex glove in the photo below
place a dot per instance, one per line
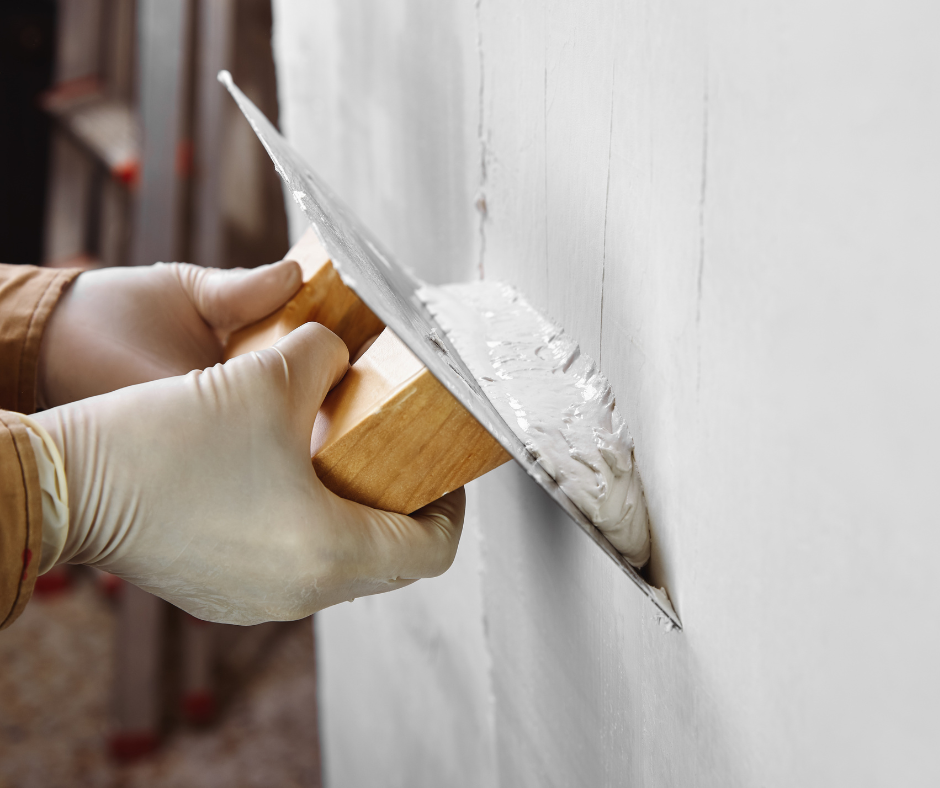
(118, 326)
(200, 489)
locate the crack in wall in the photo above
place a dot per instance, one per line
(610, 147)
(480, 201)
(545, 153)
(703, 193)
(481, 207)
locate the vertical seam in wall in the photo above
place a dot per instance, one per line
(480, 202)
(610, 147)
(493, 744)
(482, 210)
(701, 234)
(545, 139)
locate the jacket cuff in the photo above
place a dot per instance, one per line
(20, 518)
(27, 297)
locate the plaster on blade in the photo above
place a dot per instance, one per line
(391, 293)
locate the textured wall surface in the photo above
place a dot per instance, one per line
(734, 207)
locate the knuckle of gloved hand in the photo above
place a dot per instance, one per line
(259, 381)
(333, 567)
(331, 344)
(287, 596)
(296, 602)
(320, 564)
(180, 273)
(440, 545)
(447, 555)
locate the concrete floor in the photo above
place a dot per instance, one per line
(55, 665)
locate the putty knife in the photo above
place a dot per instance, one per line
(389, 291)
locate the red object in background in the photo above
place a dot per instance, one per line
(56, 581)
(127, 172)
(133, 745)
(184, 158)
(110, 585)
(199, 707)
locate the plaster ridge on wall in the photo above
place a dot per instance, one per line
(480, 204)
(488, 667)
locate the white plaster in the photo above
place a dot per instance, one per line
(733, 206)
(554, 398)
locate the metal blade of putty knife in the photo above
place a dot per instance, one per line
(389, 291)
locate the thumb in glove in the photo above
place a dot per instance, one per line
(115, 327)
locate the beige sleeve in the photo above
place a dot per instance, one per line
(27, 297)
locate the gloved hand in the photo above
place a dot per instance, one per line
(200, 490)
(118, 326)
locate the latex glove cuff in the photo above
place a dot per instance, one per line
(55, 493)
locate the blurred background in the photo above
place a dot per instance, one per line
(118, 138)
(119, 147)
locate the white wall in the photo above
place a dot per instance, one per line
(735, 207)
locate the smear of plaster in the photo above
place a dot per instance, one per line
(555, 399)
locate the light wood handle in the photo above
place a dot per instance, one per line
(389, 435)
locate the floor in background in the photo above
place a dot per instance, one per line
(55, 665)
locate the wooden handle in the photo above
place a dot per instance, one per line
(389, 435)
(392, 437)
